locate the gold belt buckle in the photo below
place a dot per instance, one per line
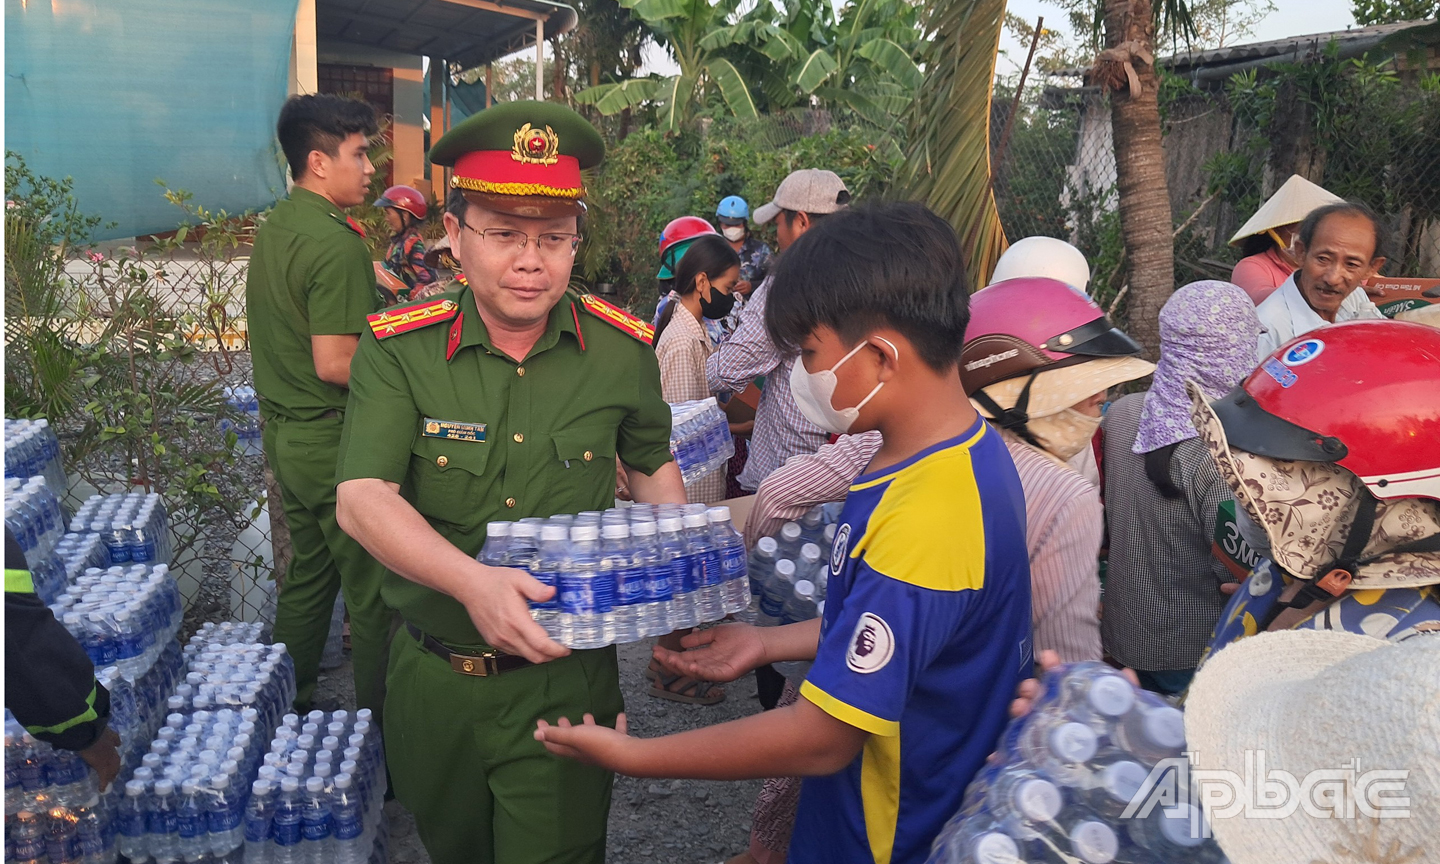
(480, 667)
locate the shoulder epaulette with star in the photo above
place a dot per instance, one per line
(393, 322)
(618, 318)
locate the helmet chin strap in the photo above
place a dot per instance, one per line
(1014, 419)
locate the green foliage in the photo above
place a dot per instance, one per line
(650, 178)
(104, 345)
(1369, 12)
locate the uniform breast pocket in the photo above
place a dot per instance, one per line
(585, 466)
(448, 477)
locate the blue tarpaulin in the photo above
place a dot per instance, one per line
(118, 93)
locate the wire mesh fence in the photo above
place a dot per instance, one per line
(1366, 131)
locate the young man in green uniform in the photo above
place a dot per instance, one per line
(310, 286)
(517, 406)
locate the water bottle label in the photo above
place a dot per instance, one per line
(707, 569)
(27, 848)
(257, 828)
(586, 594)
(545, 578)
(632, 585)
(162, 823)
(32, 775)
(224, 820)
(658, 588)
(316, 826)
(287, 833)
(732, 562)
(91, 843)
(348, 829)
(132, 824)
(191, 824)
(61, 848)
(682, 574)
(771, 606)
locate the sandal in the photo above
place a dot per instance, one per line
(689, 690)
(653, 671)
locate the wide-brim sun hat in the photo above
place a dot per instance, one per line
(1291, 203)
(1329, 709)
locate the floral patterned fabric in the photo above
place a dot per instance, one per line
(406, 259)
(1307, 508)
(1208, 332)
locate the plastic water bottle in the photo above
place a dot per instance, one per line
(1091, 840)
(26, 842)
(675, 553)
(1021, 800)
(60, 837)
(1117, 780)
(587, 596)
(1095, 694)
(778, 592)
(349, 822)
(316, 844)
(225, 814)
(546, 567)
(801, 606)
(735, 593)
(190, 821)
(807, 566)
(92, 837)
(618, 563)
(497, 544)
(1171, 833)
(288, 823)
(1060, 747)
(976, 841)
(14, 759)
(162, 824)
(709, 579)
(653, 616)
(789, 541)
(1152, 731)
(259, 817)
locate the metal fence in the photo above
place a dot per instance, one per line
(1364, 131)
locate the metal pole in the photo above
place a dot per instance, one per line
(999, 156)
(539, 60)
(489, 84)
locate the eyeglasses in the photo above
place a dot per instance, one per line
(551, 244)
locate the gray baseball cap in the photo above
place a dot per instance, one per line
(809, 190)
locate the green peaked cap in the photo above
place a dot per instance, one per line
(494, 129)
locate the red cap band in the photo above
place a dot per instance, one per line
(499, 172)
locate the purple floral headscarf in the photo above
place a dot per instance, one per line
(1208, 334)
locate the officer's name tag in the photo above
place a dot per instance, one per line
(452, 430)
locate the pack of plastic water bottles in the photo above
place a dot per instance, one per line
(32, 450)
(626, 573)
(134, 526)
(54, 813)
(36, 520)
(789, 572)
(124, 616)
(700, 438)
(1073, 782)
(246, 404)
(320, 793)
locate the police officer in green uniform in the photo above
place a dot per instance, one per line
(504, 398)
(310, 286)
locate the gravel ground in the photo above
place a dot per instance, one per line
(689, 821)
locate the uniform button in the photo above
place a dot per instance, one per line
(442, 461)
(510, 502)
(520, 371)
(519, 439)
(588, 456)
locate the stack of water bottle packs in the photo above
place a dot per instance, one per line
(626, 573)
(53, 809)
(37, 522)
(789, 572)
(123, 616)
(1081, 780)
(320, 793)
(700, 438)
(134, 526)
(32, 450)
(245, 403)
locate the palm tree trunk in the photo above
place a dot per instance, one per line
(1145, 218)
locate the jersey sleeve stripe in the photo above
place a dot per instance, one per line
(890, 475)
(847, 713)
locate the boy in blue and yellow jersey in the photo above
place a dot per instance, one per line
(926, 631)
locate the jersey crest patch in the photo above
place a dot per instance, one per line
(393, 322)
(871, 646)
(618, 318)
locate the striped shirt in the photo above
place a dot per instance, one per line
(1064, 526)
(1162, 591)
(781, 430)
(682, 350)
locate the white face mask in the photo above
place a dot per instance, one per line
(814, 390)
(1064, 433)
(734, 233)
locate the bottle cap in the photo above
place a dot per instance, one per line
(316, 716)
(993, 847)
(695, 520)
(790, 532)
(1072, 742)
(134, 788)
(322, 769)
(1111, 696)
(615, 531)
(164, 787)
(295, 770)
(342, 781)
(498, 529)
(718, 514)
(671, 524)
(348, 767)
(643, 528)
(305, 742)
(785, 567)
(767, 546)
(324, 756)
(311, 729)
(1038, 800)
(1122, 780)
(331, 742)
(1165, 727)
(523, 529)
(810, 552)
(554, 532)
(315, 784)
(583, 533)
(289, 784)
(1181, 825)
(805, 589)
(260, 787)
(1094, 842)
(363, 714)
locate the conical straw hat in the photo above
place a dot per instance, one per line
(1291, 203)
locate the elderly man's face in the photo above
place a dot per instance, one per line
(1339, 257)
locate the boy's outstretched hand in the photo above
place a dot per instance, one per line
(589, 742)
(721, 653)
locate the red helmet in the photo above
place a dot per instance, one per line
(1364, 395)
(1025, 325)
(406, 198)
(675, 239)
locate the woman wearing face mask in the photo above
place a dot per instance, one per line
(704, 282)
(1265, 239)
(1039, 358)
(1162, 490)
(733, 214)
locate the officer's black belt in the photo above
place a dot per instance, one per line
(480, 665)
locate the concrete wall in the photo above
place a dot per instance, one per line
(409, 108)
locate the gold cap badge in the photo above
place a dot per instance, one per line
(535, 147)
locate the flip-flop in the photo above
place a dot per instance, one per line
(692, 691)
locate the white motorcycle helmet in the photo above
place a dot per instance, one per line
(1044, 257)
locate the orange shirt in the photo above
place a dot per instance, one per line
(1261, 274)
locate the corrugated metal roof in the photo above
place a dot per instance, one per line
(468, 32)
(1352, 42)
